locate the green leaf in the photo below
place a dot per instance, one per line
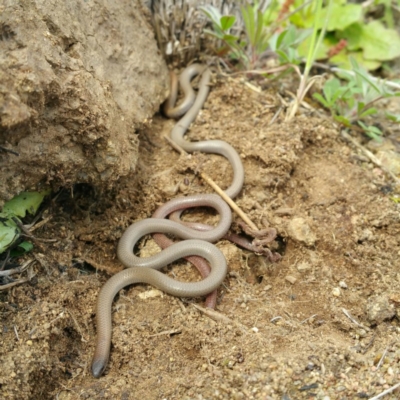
(248, 20)
(27, 246)
(331, 87)
(360, 106)
(379, 43)
(260, 32)
(372, 131)
(21, 249)
(322, 52)
(212, 13)
(227, 21)
(9, 232)
(342, 16)
(345, 121)
(364, 75)
(393, 117)
(352, 34)
(368, 111)
(230, 38)
(319, 98)
(283, 57)
(342, 60)
(212, 33)
(24, 202)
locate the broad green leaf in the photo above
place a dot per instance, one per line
(322, 52)
(352, 34)
(27, 246)
(21, 249)
(341, 16)
(227, 22)
(24, 202)
(379, 43)
(331, 87)
(305, 17)
(9, 231)
(342, 60)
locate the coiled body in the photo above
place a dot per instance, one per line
(195, 243)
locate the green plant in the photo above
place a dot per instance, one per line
(351, 33)
(258, 36)
(10, 222)
(354, 98)
(246, 52)
(315, 43)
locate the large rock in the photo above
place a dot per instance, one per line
(77, 81)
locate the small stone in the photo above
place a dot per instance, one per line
(379, 309)
(299, 230)
(365, 235)
(150, 294)
(362, 333)
(343, 285)
(336, 292)
(29, 342)
(291, 279)
(303, 266)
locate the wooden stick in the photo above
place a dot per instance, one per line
(233, 205)
(207, 179)
(385, 392)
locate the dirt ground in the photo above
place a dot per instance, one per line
(286, 335)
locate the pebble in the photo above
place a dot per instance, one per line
(379, 309)
(303, 266)
(336, 292)
(299, 230)
(291, 279)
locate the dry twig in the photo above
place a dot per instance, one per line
(385, 392)
(216, 316)
(227, 199)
